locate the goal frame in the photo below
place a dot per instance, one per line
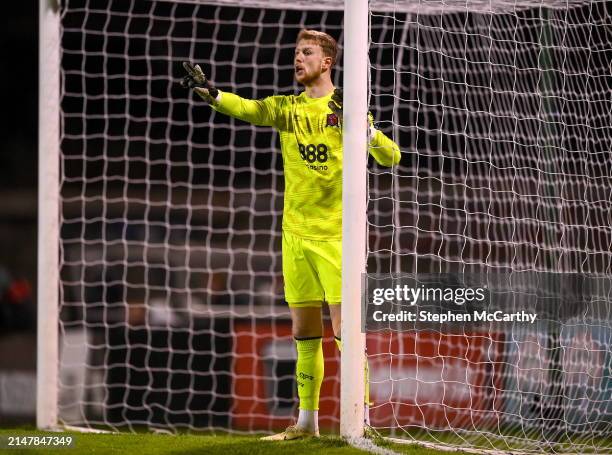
(354, 208)
(47, 360)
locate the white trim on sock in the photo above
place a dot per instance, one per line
(308, 420)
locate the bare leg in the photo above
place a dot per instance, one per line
(335, 315)
(306, 321)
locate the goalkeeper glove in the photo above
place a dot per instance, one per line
(336, 104)
(196, 79)
(336, 107)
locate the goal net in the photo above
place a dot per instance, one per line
(502, 111)
(171, 297)
(172, 311)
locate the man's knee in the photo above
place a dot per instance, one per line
(307, 328)
(306, 321)
(301, 332)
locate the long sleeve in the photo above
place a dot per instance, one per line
(258, 112)
(384, 150)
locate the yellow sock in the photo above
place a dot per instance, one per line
(366, 378)
(338, 343)
(309, 372)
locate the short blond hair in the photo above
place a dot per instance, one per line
(328, 45)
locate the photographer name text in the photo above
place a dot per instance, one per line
(449, 316)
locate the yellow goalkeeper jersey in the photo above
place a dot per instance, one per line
(311, 145)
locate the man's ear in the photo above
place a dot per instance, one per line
(327, 63)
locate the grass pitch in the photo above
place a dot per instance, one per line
(157, 444)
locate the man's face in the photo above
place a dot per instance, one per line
(309, 62)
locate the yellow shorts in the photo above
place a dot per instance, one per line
(312, 270)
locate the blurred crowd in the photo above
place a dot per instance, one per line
(17, 304)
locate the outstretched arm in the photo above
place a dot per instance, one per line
(384, 150)
(257, 112)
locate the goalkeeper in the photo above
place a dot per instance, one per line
(310, 128)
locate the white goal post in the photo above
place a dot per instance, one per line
(48, 214)
(160, 294)
(354, 195)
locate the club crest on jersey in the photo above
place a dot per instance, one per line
(332, 120)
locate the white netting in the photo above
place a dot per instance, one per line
(504, 123)
(171, 292)
(172, 298)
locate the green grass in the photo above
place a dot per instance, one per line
(154, 444)
(145, 443)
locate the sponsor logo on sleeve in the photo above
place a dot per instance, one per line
(332, 120)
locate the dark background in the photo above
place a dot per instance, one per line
(18, 208)
(19, 44)
(18, 128)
